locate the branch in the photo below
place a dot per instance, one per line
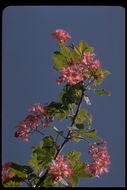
(67, 137)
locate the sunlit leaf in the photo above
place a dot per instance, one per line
(106, 72)
(43, 154)
(75, 136)
(59, 61)
(89, 134)
(65, 51)
(80, 116)
(98, 81)
(83, 46)
(102, 92)
(61, 115)
(11, 183)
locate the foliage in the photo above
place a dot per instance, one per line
(80, 71)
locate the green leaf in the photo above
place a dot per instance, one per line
(80, 116)
(58, 109)
(90, 49)
(55, 107)
(19, 170)
(73, 156)
(76, 53)
(35, 163)
(84, 115)
(102, 92)
(65, 51)
(61, 115)
(75, 136)
(71, 106)
(59, 61)
(89, 134)
(43, 153)
(78, 167)
(83, 46)
(79, 172)
(11, 183)
(98, 81)
(106, 72)
(88, 120)
(70, 96)
(80, 126)
(48, 182)
(74, 179)
(73, 128)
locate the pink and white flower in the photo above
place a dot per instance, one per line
(60, 169)
(6, 173)
(72, 74)
(89, 61)
(37, 116)
(100, 157)
(61, 35)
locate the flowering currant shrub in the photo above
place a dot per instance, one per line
(79, 71)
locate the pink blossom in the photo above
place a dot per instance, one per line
(72, 74)
(61, 35)
(26, 126)
(6, 173)
(6, 166)
(7, 176)
(95, 64)
(76, 72)
(31, 122)
(100, 157)
(60, 168)
(89, 61)
(39, 111)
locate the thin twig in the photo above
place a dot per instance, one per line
(39, 132)
(58, 132)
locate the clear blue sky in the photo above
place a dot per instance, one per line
(28, 76)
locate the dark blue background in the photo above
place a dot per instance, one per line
(28, 77)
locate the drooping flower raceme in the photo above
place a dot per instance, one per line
(6, 173)
(36, 117)
(61, 35)
(60, 169)
(100, 157)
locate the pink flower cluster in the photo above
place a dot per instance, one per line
(32, 121)
(77, 72)
(6, 174)
(89, 61)
(61, 35)
(72, 74)
(60, 168)
(100, 157)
